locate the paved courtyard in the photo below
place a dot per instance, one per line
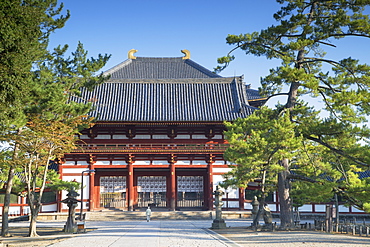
(194, 233)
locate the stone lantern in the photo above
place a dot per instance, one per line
(218, 222)
(71, 202)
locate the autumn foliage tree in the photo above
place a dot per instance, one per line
(39, 120)
(41, 142)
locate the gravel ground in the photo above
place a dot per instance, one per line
(244, 237)
(235, 235)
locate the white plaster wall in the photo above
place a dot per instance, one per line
(119, 162)
(216, 180)
(142, 137)
(182, 137)
(83, 163)
(103, 137)
(199, 162)
(50, 208)
(232, 204)
(355, 210)
(218, 137)
(199, 137)
(160, 162)
(320, 208)
(232, 193)
(70, 163)
(74, 170)
(160, 137)
(142, 162)
(86, 189)
(223, 170)
(26, 210)
(183, 162)
(272, 207)
(247, 205)
(100, 162)
(219, 162)
(343, 209)
(14, 210)
(306, 207)
(119, 137)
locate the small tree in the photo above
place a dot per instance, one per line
(41, 142)
(25, 27)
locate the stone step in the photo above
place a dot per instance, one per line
(116, 215)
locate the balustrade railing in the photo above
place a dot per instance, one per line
(149, 147)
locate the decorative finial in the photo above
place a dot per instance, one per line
(131, 54)
(187, 54)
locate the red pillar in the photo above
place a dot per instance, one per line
(59, 193)
(172, 187)
(91, 188)
(241, 198)
(209, 188)
(130, 185)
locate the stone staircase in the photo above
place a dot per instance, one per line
(119, 215)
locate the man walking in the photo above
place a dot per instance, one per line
(148, 214)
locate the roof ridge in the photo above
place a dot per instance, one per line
(117, 67)
(178, 80)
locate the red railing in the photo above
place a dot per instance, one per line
(149, 147)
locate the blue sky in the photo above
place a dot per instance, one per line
(161, 28)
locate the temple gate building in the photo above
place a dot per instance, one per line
(158, 138)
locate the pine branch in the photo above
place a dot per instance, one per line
(302, 178)
(337, 151)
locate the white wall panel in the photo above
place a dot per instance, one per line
(343, 209)
(160, 162)
(199, 162)
(247, 205)
(50, 208)
(223, 170)
(74, 170)
(82, 163)
(101, 162)
(119, 137)
(142, 162)
(355, 210)
(103, 137)
(320, 208)
(119, 162)
(306, 207)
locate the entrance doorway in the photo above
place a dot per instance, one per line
(113, 192)
(151, 191)
(190, 192)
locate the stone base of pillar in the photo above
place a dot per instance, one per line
(218, 224)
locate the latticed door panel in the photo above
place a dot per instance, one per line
(151, 191)
(190, 191)
(113, 192)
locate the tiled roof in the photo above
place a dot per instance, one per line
(252, 94)
(130, 100)
(159, 68)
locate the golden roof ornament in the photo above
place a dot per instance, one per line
(131, 54)
(187, 54)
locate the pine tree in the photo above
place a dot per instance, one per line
(303, 30)
(37, 84)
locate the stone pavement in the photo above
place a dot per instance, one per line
(153, 234)
(184, 233)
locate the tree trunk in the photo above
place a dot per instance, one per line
(5, 216)
(286, 217)
(33, 227)
(9, 186)
(262, 202)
